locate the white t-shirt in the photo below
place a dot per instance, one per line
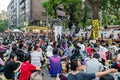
(103, 49)
(118, 57)
(49, 51)
(36, 57)
(94, 66)
(82, 47)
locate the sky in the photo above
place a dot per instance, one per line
(4, 4)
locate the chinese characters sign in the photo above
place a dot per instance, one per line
(95, 28)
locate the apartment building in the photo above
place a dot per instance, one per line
(25, 11)
(12, 13)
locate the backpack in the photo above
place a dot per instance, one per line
(36, 76)
(62, 77)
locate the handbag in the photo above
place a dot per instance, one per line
(36, 76)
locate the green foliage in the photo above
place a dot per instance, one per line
(82, 16)
(3, 25)
(111, 7)
(74, 9)
(51, 6)
(48, 8)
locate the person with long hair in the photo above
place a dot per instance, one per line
(11, 66)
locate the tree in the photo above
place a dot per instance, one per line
(112, 7)
(73, 8)
(3, 25)
(51, 7)
(95, 4)
(85, 18)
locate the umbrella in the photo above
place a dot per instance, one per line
(17, 30)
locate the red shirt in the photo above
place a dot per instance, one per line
(26, 69)
(41, 42)
(89, 51)
(119, 65)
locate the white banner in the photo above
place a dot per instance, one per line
(58, 31)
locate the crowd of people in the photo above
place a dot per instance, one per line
(22, 55)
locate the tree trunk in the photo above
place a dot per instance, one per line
(84, 19)
(95, 7)
(55, 12)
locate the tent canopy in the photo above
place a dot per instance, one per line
(17, 30)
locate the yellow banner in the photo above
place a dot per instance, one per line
(95, 29)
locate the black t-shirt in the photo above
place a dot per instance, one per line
(81, 76)
(9, 68)
(76, 56)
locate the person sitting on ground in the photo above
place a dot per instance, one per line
(49, 50)
(27, 68)
(107, 77)
(2, 63)
(116, 64)
(36, 56)
(76, 55)
(11, 66)
(76, 74)
(93, 65)
(55, 63)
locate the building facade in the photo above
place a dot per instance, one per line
(3, 15)
(25, 11)
(12, 13)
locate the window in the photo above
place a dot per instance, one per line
(43, 14)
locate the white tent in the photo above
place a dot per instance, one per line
(17, 30)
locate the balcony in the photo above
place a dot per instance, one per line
(22, 5)
(21, 1)
(22, 13)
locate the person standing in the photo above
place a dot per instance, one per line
(58, 37)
